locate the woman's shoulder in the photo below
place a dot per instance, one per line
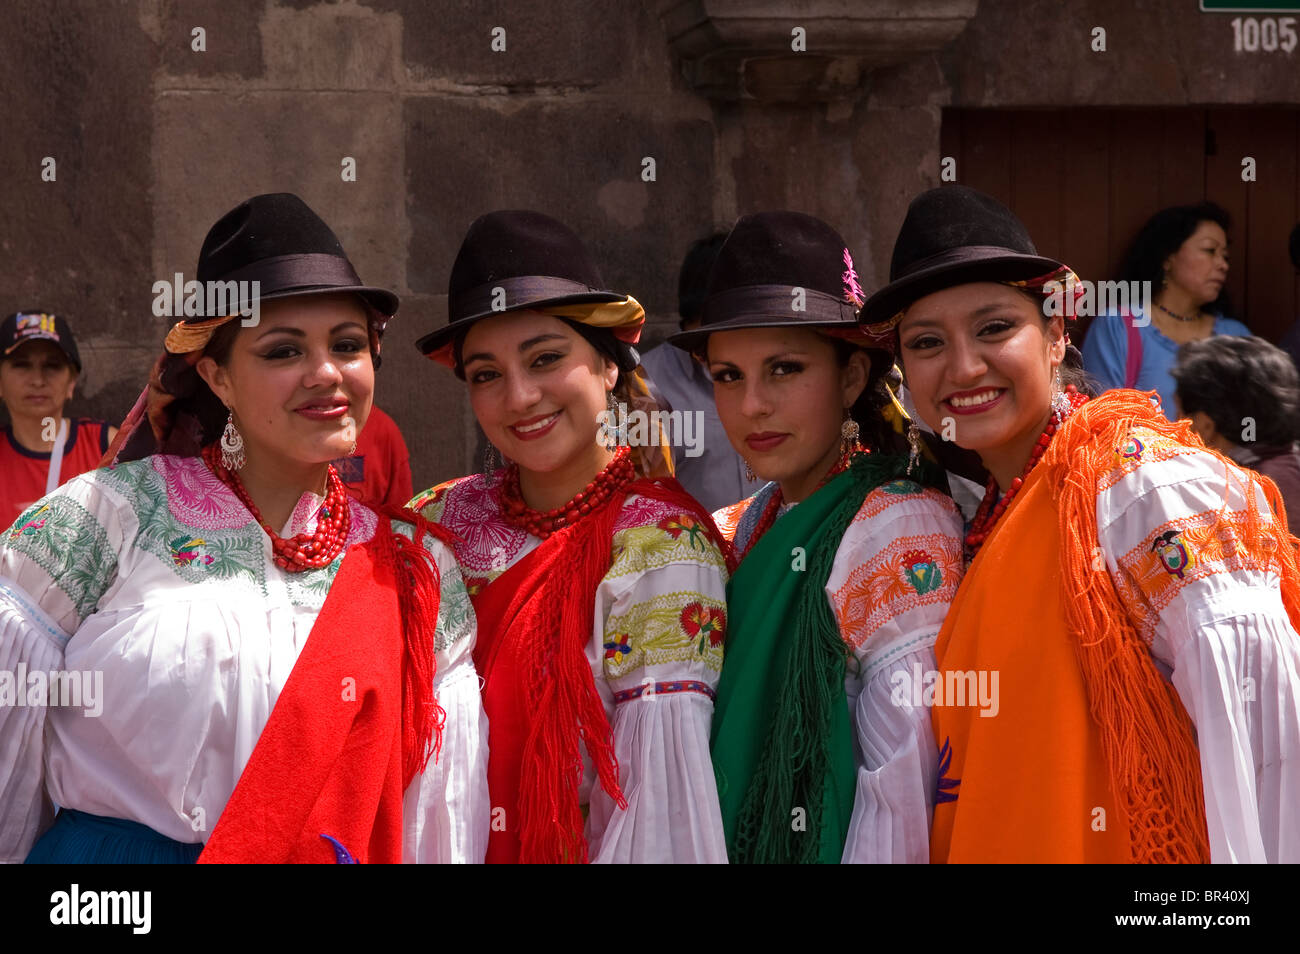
(1223, 325)
(473, 489)
(650, 532)
(904, 499)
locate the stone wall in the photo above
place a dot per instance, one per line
(153, 141)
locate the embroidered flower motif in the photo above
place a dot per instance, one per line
(921, 570)
(902, 488)
(946, 789)
(618, 647)
(706, 622)
(27, 524)
(1173, 552)
(1131, 450)
(852, 289)
(188, 551)
(683, 523)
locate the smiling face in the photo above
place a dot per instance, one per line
(979, 361)
(300, 382)
(781, 394)
(36, 380)
(1200, 266)
(537, 388)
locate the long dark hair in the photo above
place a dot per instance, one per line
(1163, 235)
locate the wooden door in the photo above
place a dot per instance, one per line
(1084, 180)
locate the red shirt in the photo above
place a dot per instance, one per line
(23, 472)
(380, 470)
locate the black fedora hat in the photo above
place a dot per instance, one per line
(778, 269)
(513, 260)
(953, 235)
(278, 241)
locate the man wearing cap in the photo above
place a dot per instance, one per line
(41, 449)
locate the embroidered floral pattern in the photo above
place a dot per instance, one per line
(1178, 553)
(659, 633)
(69, 545)
(618, 646)
(685, 523)
(707, 622)
(639, 549)
(186, 550)
(487, 545)
(30, 522)
(910, 572)
(1142, 446)
(887, 495)
(196, 497)
(922, 571)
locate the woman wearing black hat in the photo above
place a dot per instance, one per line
(846, 564)
(1129, 587)
(599, 593)
(265, 667)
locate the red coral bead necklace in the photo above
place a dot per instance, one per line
(305, 551)
(618, 473)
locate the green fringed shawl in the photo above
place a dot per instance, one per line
(782, 732)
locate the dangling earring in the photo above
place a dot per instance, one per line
(1060, 403)
(232, 445)
(913, 439)
(749, 471)
(849, 432)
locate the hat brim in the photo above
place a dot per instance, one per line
(694, 339)
(981, 266)
(437, 339)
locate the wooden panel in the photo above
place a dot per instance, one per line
(1270, 286)
(1182, 156)
(986, 153)
(1134, 177)
(1230, 138)
(1086, 246)
(1037, 178)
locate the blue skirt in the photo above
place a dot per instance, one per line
(78, 838)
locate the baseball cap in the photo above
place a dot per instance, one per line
(24, 326)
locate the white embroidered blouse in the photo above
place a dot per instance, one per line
(660, 618)
(152, 586)
(894, 574)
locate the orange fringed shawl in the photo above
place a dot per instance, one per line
(1091, 755)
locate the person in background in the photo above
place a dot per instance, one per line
(1183, 252)
(379, 471)
(717, 477)
(1242, 396)
(41, 449)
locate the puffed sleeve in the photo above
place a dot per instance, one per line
(657, 651)
(895, 573)
(56, 561)
(1206, 595)
(446, 812)
(1105, 351)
